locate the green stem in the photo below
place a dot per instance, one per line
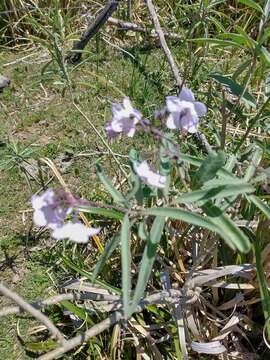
(262, 284)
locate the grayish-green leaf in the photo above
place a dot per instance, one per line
(218, 192)
(255, 160)
(260, 205)
(125, 262)
(148, 259)
(110, 213)
(234, 237)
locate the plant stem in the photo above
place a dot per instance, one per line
(265, 299)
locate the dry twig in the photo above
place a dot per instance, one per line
(163, 43)
(34, 312)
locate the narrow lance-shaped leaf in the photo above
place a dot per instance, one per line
(223, 225)
(183, 215)
(110, 213)
(125, 262)
(255, 160)
(234, 237)
(260, 205)
(217, 42)
(216, 192)
(148, 259)
(40, 347)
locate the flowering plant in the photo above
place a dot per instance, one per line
(153, 195)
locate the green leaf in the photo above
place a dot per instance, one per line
(190, 159)
(198, 162)
(251, 43)
(142, 232)
(110, 213)
(78, 311)
(218, 192)
(252, 4)
(183, 215)
(234, 237)
(136, 187)
(255, 160)
(260, 205)
(209, 168)
(126, 264)
(148, 259)
(109, 249)
(216, 42)
(40, 347)
(116, 195)
(217, 222)
(240, 39)
(235, 88)
(89, 275)
(265, 55)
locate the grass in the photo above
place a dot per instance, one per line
(37, 120)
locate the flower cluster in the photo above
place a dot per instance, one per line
(183, 113)
(51, 210)
(125, 119)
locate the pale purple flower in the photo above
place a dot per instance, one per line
(150, 177)
(47, 210)
(76, 232)
(125, 118)
(184, 111)
(51, 210)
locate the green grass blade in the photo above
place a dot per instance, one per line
(148, 259)
(69, 264)
(109, 249)
(260, 205)
(251, 4)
